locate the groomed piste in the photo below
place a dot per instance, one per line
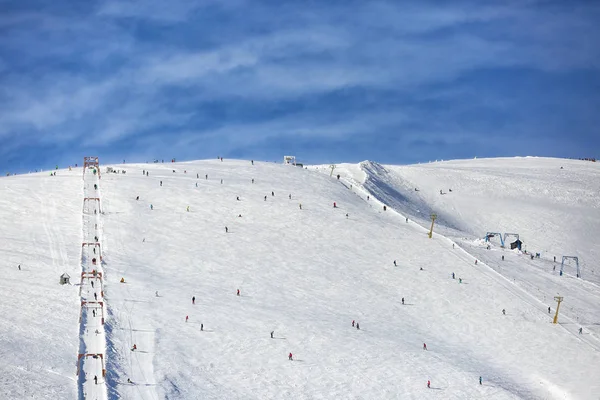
(214, 271)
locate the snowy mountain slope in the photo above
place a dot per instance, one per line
(556, 211)
(40, 229)
(511, 194)
(306, 274)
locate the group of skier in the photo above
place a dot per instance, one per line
(354, 323)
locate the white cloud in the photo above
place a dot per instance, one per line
(266, 53)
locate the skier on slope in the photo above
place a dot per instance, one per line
(480, 380)
(265, 198)
(503, 311)
(403, 301)
(226, 229)
(290, 357)
(428, 384)
(186, 318)
(353, 323)
(424, 346)
(395, 265)
(202, 327)
(272, 333)
(193, 299)
(453, 275)
(357, 326)
(238, 292)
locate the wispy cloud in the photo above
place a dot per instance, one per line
(133, 77)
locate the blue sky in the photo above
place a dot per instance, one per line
(327, 81)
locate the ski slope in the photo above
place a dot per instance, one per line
(40, 220)
(554, 204)
(304, 273)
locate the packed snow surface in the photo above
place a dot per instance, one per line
(305, 270)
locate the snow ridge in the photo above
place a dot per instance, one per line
(400, 195)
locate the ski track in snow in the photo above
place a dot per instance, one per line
(306, 274)
(92, 348)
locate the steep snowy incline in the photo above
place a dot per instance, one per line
(553, 204)
(40, 229)
(552, 201)
(306, 273)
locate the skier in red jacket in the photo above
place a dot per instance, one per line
(290, 357)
